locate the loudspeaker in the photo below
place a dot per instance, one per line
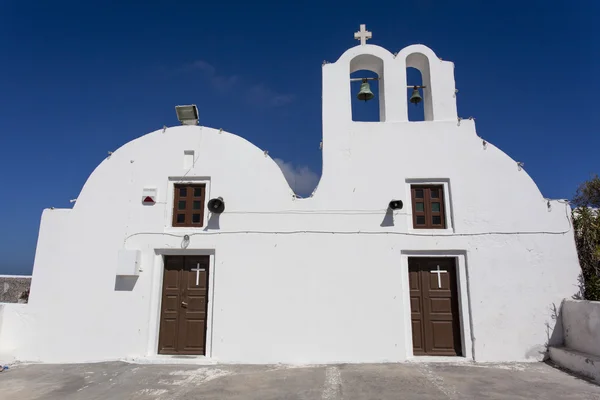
(395, 204)
(216, 206)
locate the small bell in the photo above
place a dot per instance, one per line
(365, 91)
(415, 98)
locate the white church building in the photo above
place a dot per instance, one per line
(421, 239)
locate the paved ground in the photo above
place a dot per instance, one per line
(117, 380)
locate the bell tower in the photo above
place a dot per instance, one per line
(438, 89)
(436, 93)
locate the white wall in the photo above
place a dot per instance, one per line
(18, 325)
(313, 280)
(581, 325)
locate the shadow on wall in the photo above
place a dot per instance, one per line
(388, 218)
(213, 222)
(555, 335)
(125, 283)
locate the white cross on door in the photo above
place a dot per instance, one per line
(439, 273)
(198, 270)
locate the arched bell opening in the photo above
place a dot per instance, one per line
(366, 89)
(414, 95)
(418, 81)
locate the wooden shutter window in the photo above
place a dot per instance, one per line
(188, 205)
(428, 206)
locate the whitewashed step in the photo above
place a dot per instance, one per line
(584, 364)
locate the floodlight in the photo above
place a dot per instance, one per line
(187, 115)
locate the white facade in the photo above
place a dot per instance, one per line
(317, 280)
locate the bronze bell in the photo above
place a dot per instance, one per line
(415, 97)
(365, 91)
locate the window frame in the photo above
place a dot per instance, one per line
(188, 211)
(427, 212)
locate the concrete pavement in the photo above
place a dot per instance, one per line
(118, 380)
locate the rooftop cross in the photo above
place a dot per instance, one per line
(363, 35)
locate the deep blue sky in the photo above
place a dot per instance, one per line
(78, 79)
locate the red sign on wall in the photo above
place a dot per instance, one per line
(148, 201)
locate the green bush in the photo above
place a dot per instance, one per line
(592, 288)
(586, 222)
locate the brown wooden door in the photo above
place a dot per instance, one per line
(184, 305)
(434, 306)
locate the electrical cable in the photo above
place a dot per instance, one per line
(349, 233)
(359, 232)
(321, 212)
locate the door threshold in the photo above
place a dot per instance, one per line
(439, 359)
(171, 359)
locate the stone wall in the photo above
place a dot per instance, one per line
(13, 287)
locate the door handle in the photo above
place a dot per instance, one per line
(184, 304)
